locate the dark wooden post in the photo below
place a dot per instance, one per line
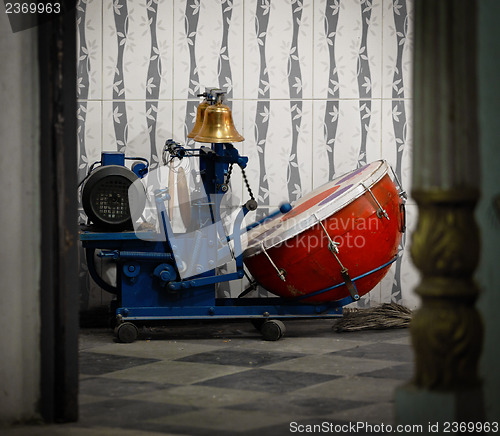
(447, 331)
(59, 248)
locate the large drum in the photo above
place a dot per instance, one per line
(338, 240)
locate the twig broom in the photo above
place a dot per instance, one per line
(386, 316)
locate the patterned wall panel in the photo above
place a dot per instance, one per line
(330, 19)
(317, 88)
(262, 110)
(89, 116)
(398, 19)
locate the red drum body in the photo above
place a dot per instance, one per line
(361, 212)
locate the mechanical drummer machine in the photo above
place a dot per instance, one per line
(315, 256)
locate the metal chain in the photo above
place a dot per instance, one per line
(247, 184)
(228, 175)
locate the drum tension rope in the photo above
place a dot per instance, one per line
(332, 246)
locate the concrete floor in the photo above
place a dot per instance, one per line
(223, 379)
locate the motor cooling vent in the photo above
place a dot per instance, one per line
(105, 197)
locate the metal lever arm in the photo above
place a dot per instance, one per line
(332, 246)
(381, 212)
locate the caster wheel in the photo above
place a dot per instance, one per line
(272, 330)
(257, 322)
(126, 332)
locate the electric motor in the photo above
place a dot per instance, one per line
(107, 195)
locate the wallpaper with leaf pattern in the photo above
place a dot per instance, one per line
(316, 87)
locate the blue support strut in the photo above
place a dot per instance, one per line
(321, 291)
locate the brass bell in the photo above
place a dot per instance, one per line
(218, 126)
(200, 115)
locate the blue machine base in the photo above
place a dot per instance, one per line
(232, 308)
(145, 298)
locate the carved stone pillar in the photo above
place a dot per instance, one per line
(447, 330)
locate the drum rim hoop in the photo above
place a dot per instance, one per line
(358, 190)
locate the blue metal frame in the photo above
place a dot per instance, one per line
(142, 296)
(112, 158)
(214, 308)
(149, 284)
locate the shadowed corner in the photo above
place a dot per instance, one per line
(26, 15)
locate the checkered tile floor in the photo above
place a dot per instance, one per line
(223, 379)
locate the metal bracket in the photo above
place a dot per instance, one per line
(351, 287)
(381, 212)
(281, 272)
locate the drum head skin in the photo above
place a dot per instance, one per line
(343, 211)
